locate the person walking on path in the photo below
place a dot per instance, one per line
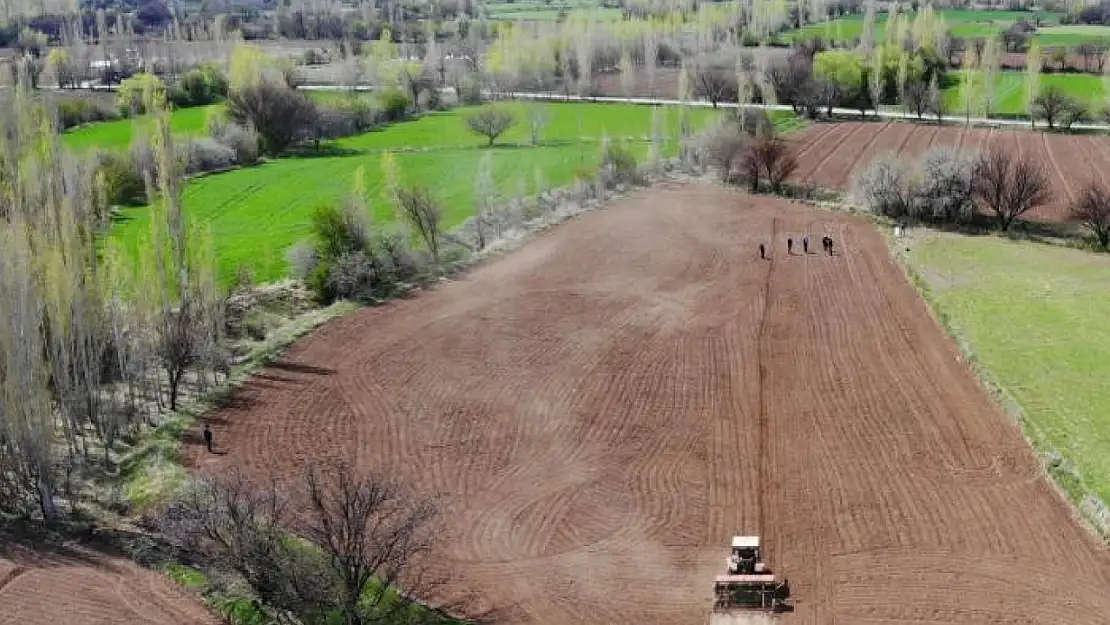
(208, 437)
(762, 252)
(805, 244)
(790, 246)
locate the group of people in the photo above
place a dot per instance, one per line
(826, 245)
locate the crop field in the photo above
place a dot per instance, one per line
(605, 407)
(74, 584)
(1010, 92)
(829, 154)
(256, 214)
(1033, 314)
(544, 11)
(1073, 34)
(963, 23)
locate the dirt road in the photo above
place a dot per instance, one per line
(607, 406)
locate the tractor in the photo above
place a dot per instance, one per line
(748, 584)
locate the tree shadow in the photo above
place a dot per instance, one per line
(325, 150)
(297, 367)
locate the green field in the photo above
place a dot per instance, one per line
(117, 135)
(1035, 316)
(1073, 35)
(1010, 92)
(539, 10)
(962, 23)
(256, 214)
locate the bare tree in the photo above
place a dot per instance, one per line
(277, 112)
(726, 146)
(915, 97)
(1051, 105)
(1092, 209)
(422, 211)
(776, 160)
(538, 116)
(490, 122)
(715, 78)
(1009, 186)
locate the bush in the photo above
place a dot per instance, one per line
(197, 87)
(944, 193)
(77, 111)
(119, 181)
(203, 155)
(725, 143)
(340, 231)
(886, 186)
(332, 123)
(470, 91)
(618, 165)
(429, 100)
(351, 276)
(242, 141)
(394, 104)
(490, 122)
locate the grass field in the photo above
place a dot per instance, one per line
(117, 135)
(963, 24)
(539, 10)
(1072, 35)
(256, 214)
(1010, 91)
(1035, 317)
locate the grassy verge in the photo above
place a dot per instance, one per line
(151, 470)
(1029, 318)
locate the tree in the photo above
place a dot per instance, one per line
(1092, 209)
(538, 116)
(422, 211)
(969, 89)
(714, 78)
(727, 143)
(1089, 52)
(1009, 186)
(360, 550)
(1060, 57)
(988, 72)
(1052, 105)
(775, 159)
(281, 115)
(60, 64)
(936, 100)
(1032, 79)
(841, 74)
(916, 98)
(490, 121)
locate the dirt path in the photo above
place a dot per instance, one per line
(592, 406)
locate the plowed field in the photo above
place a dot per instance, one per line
(608, 405)
(831, 153)
(75, 585)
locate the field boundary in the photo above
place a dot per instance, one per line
(1085, 505)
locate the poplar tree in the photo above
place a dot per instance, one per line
(1032, 79)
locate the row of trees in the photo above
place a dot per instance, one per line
(95, 339)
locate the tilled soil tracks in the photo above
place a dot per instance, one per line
(605, 407)
(830, 154)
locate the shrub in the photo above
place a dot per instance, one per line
(618, 165)
(394, 104)
(340, 231)
(1009, 185)
(119, 181)
(77, 111)
(302, 259)
(772, 158)
(197, 87)
(886, 186)
(202, 155)
(470, 91)
(429, 100)
(944, 192)
(351, 276)
(332, 123)
(1092, 209)
(242, 141)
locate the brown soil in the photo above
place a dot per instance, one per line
(605, 407)
(831, 154)
(58, 586)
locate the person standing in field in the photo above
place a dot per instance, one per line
(789, 246)
(762, 252)
(805, 244)
(208, 437)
